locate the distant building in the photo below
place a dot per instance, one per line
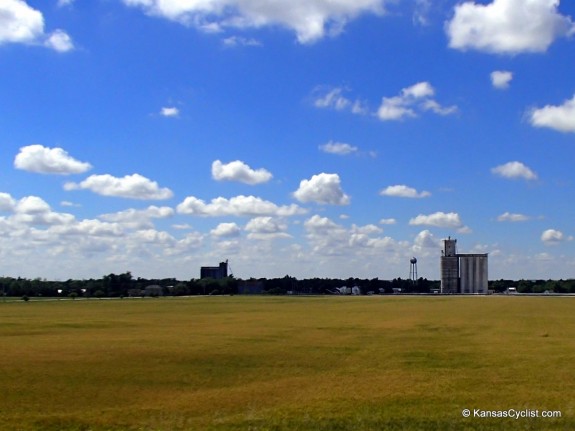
(462, 273)
(154, 290)
(250, 287)
(151, 290)
(215, 272)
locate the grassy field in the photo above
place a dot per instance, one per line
(286, 363)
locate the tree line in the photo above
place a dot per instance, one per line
(125, 285)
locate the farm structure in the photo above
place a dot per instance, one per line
(215, 272)
(463, 273)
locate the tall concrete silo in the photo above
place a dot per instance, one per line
(462, 273)
(449, 267)
(473, 273)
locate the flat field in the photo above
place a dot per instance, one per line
(288, 363)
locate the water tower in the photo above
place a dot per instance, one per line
(413, 270)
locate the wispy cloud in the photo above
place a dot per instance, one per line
(403, 191)
(410, 102)
(236, 41)
(512, 217)
(170, 111)
(339, 148)
(334, 98)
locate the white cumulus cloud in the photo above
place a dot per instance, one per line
(425, 239)
(394, 108)
(323, 189)
(153, 236)
(326, 236)
(236, 206)
(32, 205)
(266, 228)
(438, 219)
(331, 239)
(560, 118)
(32, 210)
(239, 171)
(133, 186)
(311, 20)
(507, 26)
(552, 237)
(226, 230)
(59, 41)
(419, 90)
(500, 79)
(20, 23)
(361, 236)
(139, 219)
(44, 160)
(403, 191)
(514, 170)
(90, 227)
(7, 202)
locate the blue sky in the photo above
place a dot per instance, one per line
(304, 137)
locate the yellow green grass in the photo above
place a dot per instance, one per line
(286, 363)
